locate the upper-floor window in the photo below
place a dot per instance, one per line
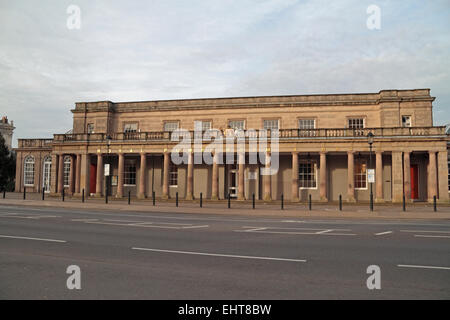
(360, 174)
(237, 124)
(171, 125)
(271, 124)
(28, 171)
(406, 121)
(307, 177)
(129, 177)
(356, 123)
(130, 127)
(306, 123)
(203, 125)
(66, 171)
(90, 128)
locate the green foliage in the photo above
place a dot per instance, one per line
(7, 167)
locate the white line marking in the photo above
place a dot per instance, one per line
(254, 229)
(219, 255)
(382, 233)
(422, 267)
(431, 231)
(324, 231)
(302, 233)
(192, 227)
(424, 236)
(27, 238)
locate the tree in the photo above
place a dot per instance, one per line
(7, 167)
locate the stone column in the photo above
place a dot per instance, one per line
(379, 177)
(190, 177)
(294, 177)
(442, 174)
(397, 177)
(323, 177)
(350, 177)
(61, 173)
(165, 190)
(120, 176)
(54, 174)
(432, 178)
(142, 174)
(241, 178)
(215, 176)
(99, 181)
(266, 178)
(407, 175)
(72, 175)
(78, 174)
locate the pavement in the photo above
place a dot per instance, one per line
(145, 252)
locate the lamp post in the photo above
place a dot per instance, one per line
(107, 180)
(370, 141)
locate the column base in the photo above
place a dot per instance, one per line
(189, 197)
(214, 197)
(267, 198)
(98, 195)
(141, 196)
(165, 197)
(323, 199)
(380, 201)
(295, 199)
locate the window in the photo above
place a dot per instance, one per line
(129, 177)
(237, 124)
(272, 124)
(28, 171)
(130, 127)
(360, 174)
(204, 125)
(173, 175)
(90, 128)
(356, 123)
(170, 125)
(306, 124)
(406, 121)
(66, 171)
(307, 174)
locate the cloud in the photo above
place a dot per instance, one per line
(145, 50)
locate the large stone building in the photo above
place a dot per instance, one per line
(323, 149)
(6, 130)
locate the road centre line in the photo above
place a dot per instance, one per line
(422, 267)
(426, 236)
(28, 238)
(383, 233)
(430, 231)
(218, 255)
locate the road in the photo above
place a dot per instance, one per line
(136, 255)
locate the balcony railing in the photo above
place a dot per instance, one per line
(282, 134)
(35, 143)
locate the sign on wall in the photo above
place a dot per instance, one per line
(107, 169)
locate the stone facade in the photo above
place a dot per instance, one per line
(323, 149)
(6, 130)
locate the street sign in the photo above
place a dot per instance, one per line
(106, 169)
(371, 175)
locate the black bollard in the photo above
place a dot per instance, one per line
(309, 203)
(340, 202)
(82, 196)
(106, 197)
(62, 195)
(282, 202)
(43, 194)
(434, 204)
(129, 197)
(404, 203)
(176, 199)
(24, 193)
(253, 201)
(371, 202)
(4, 193)
(229, 203)
(153, 197)
(201, 199)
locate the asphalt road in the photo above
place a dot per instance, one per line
(126, 255)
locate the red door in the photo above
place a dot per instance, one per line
(414, 181)
(93, 178)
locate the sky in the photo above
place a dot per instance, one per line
(134, 50)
